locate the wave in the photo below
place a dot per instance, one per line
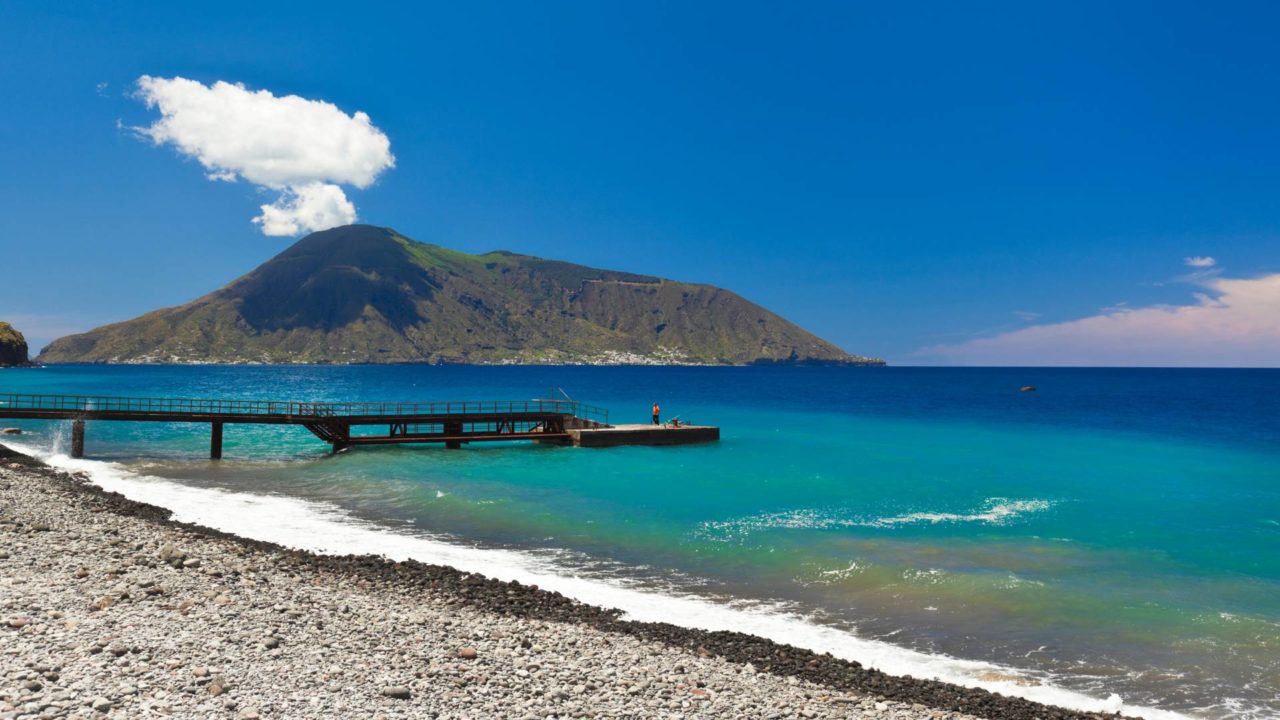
(833, 576)
(325, 528)
(993, 511)
(839, 574)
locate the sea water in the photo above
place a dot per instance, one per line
(1109, 542)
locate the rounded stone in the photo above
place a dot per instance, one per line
(396, 691)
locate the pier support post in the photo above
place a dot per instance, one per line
(77, 438)
(341, 434)
(453, 428)
(215, 442)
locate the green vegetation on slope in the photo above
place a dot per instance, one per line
(367, 294)
(13, 346)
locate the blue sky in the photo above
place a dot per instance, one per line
(930, 183)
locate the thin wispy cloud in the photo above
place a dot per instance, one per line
(1199, 262)
(302, 149)
(1233, 322)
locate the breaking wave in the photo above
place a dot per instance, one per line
(993, 511)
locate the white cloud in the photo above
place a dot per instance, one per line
(309, 207)
(1235, 323)
(1199, 262)
(304, 149)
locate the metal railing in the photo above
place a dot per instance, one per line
(197, 406)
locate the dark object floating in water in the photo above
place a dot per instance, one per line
(1027, 388)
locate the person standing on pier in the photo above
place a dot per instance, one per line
(656, 412)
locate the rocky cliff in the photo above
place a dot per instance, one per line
(13, 347)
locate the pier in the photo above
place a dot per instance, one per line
(345, 425)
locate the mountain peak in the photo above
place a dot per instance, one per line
(349, 237)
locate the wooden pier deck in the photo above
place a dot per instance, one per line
(342, 425)
(617, 435)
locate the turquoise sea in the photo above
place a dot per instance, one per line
(1111, 540)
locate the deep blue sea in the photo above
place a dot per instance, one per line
(1113, 538)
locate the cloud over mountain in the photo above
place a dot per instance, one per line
(303, 149)
(1233, 323)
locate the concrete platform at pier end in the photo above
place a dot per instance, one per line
(644, 435)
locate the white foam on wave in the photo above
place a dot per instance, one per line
(994, 511)
(325, 528)
(839, 574)
(834, 576)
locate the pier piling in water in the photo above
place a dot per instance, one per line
(215, 442)
(453, 429)
(77, 438)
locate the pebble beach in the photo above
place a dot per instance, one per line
(110, 609)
